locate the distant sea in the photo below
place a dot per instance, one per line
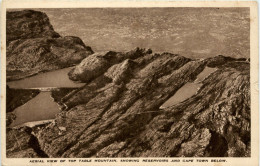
(192, 32)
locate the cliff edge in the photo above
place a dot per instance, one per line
(32, 45)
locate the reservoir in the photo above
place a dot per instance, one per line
(204, 74)
(57, 79)
(42, 107)
(189, 89)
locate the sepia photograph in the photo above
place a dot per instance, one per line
(128, 82)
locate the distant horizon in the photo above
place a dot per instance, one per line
(188, 31)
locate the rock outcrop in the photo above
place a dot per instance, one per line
(28, 24)
(33, 46)
(117, 113)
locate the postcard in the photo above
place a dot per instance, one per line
(129, 83)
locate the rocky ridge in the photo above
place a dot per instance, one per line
(32, 45)
(117, 113)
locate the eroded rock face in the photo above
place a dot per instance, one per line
(28, 24)
(33, 46)
(117, 114)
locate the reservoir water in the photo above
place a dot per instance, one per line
(189, 89)
(41, 107)
(207, 71)
(58, 78)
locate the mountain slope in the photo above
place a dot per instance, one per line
(117, 113)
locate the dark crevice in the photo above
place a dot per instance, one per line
(218, 145)
(34, 144)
